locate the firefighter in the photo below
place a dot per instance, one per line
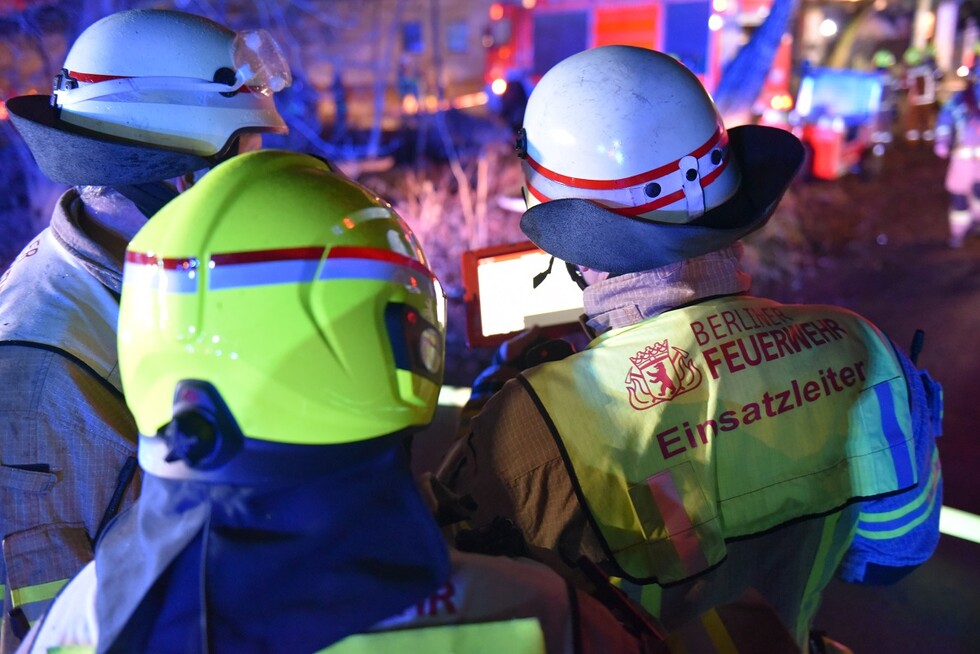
(144, 96)
(884, 63)
(919, 81)
(706, 442)
(281, 333)
(958, 139)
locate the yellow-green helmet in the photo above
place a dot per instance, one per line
(883, 59)
(913, 56)
(301, 297)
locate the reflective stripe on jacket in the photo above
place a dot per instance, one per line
(722, 420)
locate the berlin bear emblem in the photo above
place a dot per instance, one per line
(659, 374)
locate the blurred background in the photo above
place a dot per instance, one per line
(420, 101)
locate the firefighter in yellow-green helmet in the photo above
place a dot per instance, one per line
(281, 334)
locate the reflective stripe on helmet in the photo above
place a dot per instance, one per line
(279, 266)
(176, 275)
(645, 192)
(99, 86)
(718, 139)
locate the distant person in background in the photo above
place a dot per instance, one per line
(274, 392)
(144, 96)
(919, 80)
(707, 443)
(884, 63)
(958, 140)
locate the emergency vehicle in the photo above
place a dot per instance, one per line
(525, 39)
(840, 117)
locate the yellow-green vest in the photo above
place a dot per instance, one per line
(725, 419)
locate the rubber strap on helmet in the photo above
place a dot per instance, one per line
(149, 197)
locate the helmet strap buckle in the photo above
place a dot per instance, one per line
(691, 184)
(63, 81)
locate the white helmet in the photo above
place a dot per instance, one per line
(150, 94)
(191, 87)
(619, 144)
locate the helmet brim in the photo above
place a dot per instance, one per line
(76, 156)
(582, 232)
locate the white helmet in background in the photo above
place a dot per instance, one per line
(628, 165)
(151, 94)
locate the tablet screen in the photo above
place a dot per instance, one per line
(501, 298)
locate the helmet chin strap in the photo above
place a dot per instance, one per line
(149, 197)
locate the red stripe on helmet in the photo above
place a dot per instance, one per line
(171, 263)
(622, 211)
(634, 180)
(265, 256)
(538, 195)
(713, 175)
(649, 206)
(377, 254)
(94, 78)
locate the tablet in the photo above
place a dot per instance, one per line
(501, 299)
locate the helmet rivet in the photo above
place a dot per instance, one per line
(227, 76)
(652, 189)
(691, 174)
(716, 157)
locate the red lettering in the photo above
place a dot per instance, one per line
(430, 605)
(710, 357)
(665, 443)
(830, 330)
(768, 348)
(729, 318)
(847, 376)
(751, 413)
(703, 430)
(779, 338)
(715, 325)
(728, 421)
(811, 333)
(767, 401)
(699, 333)
(753, 358)
(731, 356)
(811, 391)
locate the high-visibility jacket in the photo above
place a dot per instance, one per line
(488, 605)
(69, 439)
(725, 419)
